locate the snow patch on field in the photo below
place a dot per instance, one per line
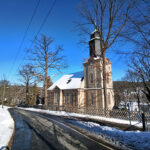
(6, 126)
(131, 139)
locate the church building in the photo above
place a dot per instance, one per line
(85, 89)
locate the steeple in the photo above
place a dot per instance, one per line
(94, 44)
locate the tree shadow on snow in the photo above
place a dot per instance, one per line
(4, 148)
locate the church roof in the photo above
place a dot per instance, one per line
(70, 81)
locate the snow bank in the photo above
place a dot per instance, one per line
(131, 139)
(63, 113)
(6, 126)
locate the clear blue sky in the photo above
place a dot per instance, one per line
(14, 18)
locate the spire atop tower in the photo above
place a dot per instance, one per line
(95, 27)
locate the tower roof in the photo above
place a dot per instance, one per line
(95, 35)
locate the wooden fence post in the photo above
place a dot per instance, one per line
(143, 121)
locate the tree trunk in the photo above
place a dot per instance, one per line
(104, 80)
(27, 92)
(138, 97)
(45, 88)
(45, 83)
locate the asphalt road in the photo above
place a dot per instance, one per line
(37, 131)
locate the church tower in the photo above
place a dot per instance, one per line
(93, 76)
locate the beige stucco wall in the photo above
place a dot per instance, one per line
(95, 86)
(81, 95)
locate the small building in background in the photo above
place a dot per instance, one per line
(133, 106)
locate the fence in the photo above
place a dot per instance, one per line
(115, 113)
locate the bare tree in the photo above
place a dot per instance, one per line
(27, 74)
(135, 85)
(139, 35)
(123, 92)
(139, 27)
(109, 17)
(140, 67)
(46, 58)
(119, 87)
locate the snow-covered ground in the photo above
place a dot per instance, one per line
(124, 139)
(6, 126)
(131, 139)
(63, 113)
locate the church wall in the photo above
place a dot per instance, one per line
(70, 98)
(81, 98)
(109, 76)
(54, 97)
(110, 98)
(50, 97)
(94, 83)
(93, 75)
(94, 98)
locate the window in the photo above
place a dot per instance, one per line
(98, 78)
(91, 78)
(107, 78)
(57, 98)
(108, 96)
(52, 95)
(65, 99)
(68, 81)
(74, 99)
(70, 98)
(92, 102)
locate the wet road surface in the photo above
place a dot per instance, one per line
(37, 131)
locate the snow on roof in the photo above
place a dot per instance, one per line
(97, 38)
(70, 81)
(96, 58)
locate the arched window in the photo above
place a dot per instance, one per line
(57, 97)
(108, 97)
(98, 78)
(107, 78)
(92, 99)
(65, 98)
(91, 78)
(70, 98)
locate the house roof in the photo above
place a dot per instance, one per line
(70, 81)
